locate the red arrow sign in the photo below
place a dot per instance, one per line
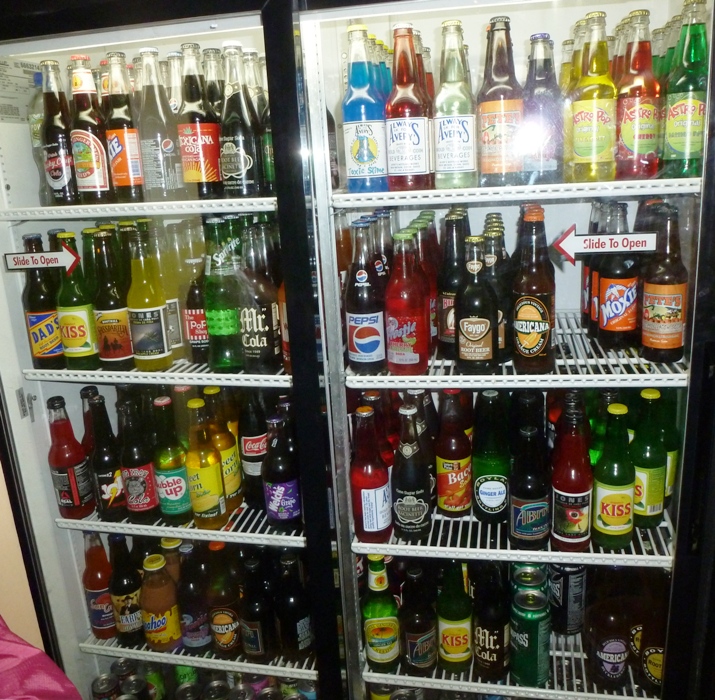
(570, 245)
(26, 261)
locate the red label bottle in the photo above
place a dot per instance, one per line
(95, 580)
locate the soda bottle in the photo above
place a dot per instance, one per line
(500, 110)
(222, 596)
(89, 263)
(654, 629)
(87, 442)
(658, 47)
(492, 631)
(192, 594)
(672, 38)
(105, 464)
(476, 316)
(638, 113)
(256, 90)
(408, 114)
(571, 486)
(374, 399)
(533, 294)
(147, 308)
(75, 314)
(617, 63)
(379, 619)
(172, 481)
(203, 465)
(258, 629)
(89, 145)
(194, 312)
(172, 86)
(138, 473)
(95, 581)
(455, 146)
(454, 621)
(579, 37)
(593, 146)
(497, 270)
(649, 458)
(213, 78)
(111, 315)
(158, 137)
(39, 302)
(418, 625)
(425, 438)
(410, 483)
(241, 164)
(199, 132)
(123, 144)
(665, 293)
(295, 630)
(160, 611)
(448, 281)
(429, 75)
(423, 257)
(407, 320)
(364, 130)
(613, 485)
(125, 585)
(541, 137)
(269, 166)
(253, 444)
(332, 150)
(453, 451)
(686, 95)
(567, 48)
(35, 117)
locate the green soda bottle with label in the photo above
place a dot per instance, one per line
(379, 619)
(686, 90)
(649, 458)
(614, 480)
(454, 621)
(593, 130)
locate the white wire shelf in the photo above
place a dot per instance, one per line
(278, 667)
(140, 209)
(580, 361)
(467, 538)
(541, 193)
(181, 372)
(569, 678)
(246, 525)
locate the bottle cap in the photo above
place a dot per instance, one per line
(451, 23)
(500, 18)
(534, 213)
(65, 235)
(639, 13)
(371, 395)
(407, 410)
(50, 63)
(595, 15)
(154, 562)
(274, 421)
(31, 236)
(402, 26)
(211, 390)
(357, 28)
(195, 403)
(650, 394)
(212, 52)
(149, 49)
(568, 42)
(170, 543)
(540, 37)
(79, 57)
(490, 393)
(216, 546)
(404, 235)
(181, 388)
(528, 431)
(162, 401)
(618, 409)
(415, 392)
(474, 239)
(59, 402)
(451, 392)
(375, 557)
(88, 391)
(190, 46)
(364, 410)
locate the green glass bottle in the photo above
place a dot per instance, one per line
(686, 93)
(614, 481)
(75, 313)
(649, 459)
(598, 425)
(89, 262)
(671, 438)
(454, 621)
(379, 619)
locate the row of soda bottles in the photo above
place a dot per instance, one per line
(420, 614)
(593, 475)
(129, 679)
(146, 296)
(198, 132)
(380, 691)
(612, 116)
(212, 599)
(405, 296)
(190, 459)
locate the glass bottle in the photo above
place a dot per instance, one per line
(295, 630)
(379, 619)
(454, 621)
(223, 598)
(579, 38)
(258, 629)
(192, 593)
(281, 481)
(213, 78)
(95, 581)
(565, 71)
(418, 625)
(125, 590)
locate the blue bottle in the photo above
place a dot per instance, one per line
(364, 128)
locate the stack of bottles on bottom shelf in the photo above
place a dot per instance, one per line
(216, 600)
(177, 460)
(132, 680)
(478, 620)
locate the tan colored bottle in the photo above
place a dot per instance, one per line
(170, 549)
(160, 609)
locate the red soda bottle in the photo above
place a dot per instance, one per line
(71, 475)
(638, 111)
(426, 261)
(408, 113)
(95, 580)
(373, 399)
(407, 322)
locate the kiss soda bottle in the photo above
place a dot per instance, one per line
(638, 109)
(407, 321)
(363, 120)
(408, 113)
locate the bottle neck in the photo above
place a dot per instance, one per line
(535, 237)
(639, 57)
(408, 429)
(150, 71)
(117, 82)
(595, 60)
(499, 67)
(541, 64)
(668, 242)
(234, 71)
(377, 576)
(475, 259)
(404, 258)
(101, 426)
(404, 70)
(452, 63)
(616, 436)
(164, 422)
(365, 437)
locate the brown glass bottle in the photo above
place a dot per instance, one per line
(258, 628)
(223, 604)
(448, 281)
(491, 623)
(418, 626)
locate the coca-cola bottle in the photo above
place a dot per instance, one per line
(199, 132)
(55, 137)
(89, 145)
(253, 444)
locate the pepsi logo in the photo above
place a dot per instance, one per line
(167, 145)
(366, 339)
(361, 276)
(379, 266)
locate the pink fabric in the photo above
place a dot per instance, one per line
(27, 673)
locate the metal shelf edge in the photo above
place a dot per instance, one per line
(110, 648)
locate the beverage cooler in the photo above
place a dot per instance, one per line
(554, 603)
(65, 565)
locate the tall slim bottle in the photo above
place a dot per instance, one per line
(565, 70)
(364, 129)
(579, 38)
(593, 144)
(408, 115)
(455, 146)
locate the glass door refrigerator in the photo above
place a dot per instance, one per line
(178, 227)
(639, 609)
